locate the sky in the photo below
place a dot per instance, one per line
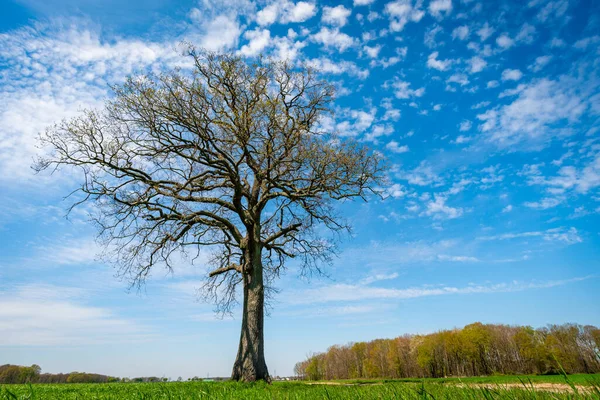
(488, 113)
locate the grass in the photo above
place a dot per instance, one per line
(372, 389)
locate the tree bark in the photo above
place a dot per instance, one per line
(250, 363)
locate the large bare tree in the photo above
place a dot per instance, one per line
(230, 154)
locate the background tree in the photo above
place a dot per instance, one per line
(228, 155)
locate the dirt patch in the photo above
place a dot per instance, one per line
(541, 386)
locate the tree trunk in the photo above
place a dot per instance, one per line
(250, 363)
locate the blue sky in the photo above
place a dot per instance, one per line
(488, 114)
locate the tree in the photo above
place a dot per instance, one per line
(230, 155)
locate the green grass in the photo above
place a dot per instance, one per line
(425, 389)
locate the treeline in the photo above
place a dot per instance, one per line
(20, 374)
(477, 349)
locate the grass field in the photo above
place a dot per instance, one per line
(496, 387)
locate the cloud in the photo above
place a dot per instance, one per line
(334, 38)
(504, 41)
(532, 117)
(526, 34)
(259, 39)
(477, 64)
(440, 65)
(461, 32)
(221, 32)
(61, 69)
(400, 12)
(395, 147)
(465, 125)
(327, 66)
(402, 89)
(511, 75)
(568, 236)
(485, 32)
(440, 8)
(378, 278)
(461, 79)
(46, 315)
(540, 63)
(438, 209)
(336, 15)
(284, 11)
(552, 10)
(444, 257)
(348, 292)
(372, 51)
(581, 180)
(68, 252)
(423, 175)
(543, 204)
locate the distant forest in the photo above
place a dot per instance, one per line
(477, 349)
(20, 374)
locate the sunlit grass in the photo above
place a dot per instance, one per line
(451, 388)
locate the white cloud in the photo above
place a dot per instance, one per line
(582, 44)
(334, 38)
(440, 65)
(259, 39)
(568, 236)
(477, 64)
(581, 180)
(372, 51)
(531, 117)
(46, 315)
(511, 75)
(328, 66)
(401, 12)
(422, 175)
(378, 278)
(504, 41)
(395, 147)
(268, 15)
(362, 2)
(62, 70)
(540, 63)
(285, 11)
(444, 257)
(461, 79)
(396, 191)
(68, 252)
(402, 89)
(461, 139)
(440, 8)
(507, 209)
(465, 125)
(553, 10)
(336, 15)
(526, 34)
(287, 49)
(221, 32)
(543, 204)
(438, 209)
(300, 12)
(348, 292)
(430, 36)
(485, 32)
(461, 32)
